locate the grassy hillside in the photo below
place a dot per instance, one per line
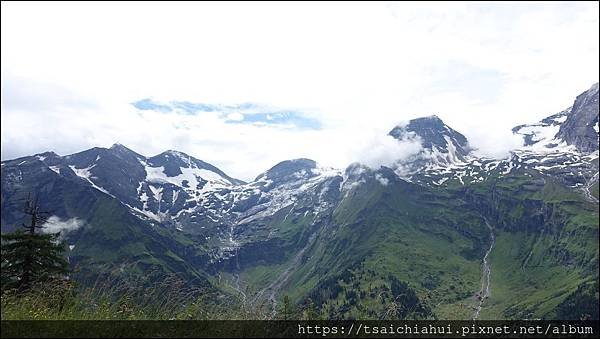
(546, 246)
(394, 251)
(431, 242)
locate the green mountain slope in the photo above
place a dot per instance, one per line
(431, 241)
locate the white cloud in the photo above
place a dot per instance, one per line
(383, 181)
(55, 224)
(235, 116)
(68, 77)
(380, 149)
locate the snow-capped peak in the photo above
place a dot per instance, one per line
(436, 137)
(442, 146)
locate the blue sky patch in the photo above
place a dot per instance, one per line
(282, 118)
(245, 113)
(148, 104)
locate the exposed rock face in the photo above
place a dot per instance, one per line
(289, 169)
(441, 146)
(581, 127)
(434, 136)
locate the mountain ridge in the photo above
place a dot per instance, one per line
(314, 232)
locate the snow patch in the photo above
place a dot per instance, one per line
(156, 192)
(85, 174)
(560, 120)
(175, 196)
(189, 175)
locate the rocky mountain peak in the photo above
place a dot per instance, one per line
(288, 169)
(173, 162)
(440, 142)
(581, 126)
(121, 151)
(575, 127)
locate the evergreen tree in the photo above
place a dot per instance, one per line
(310, 311)
(286, 307)
(29, 257)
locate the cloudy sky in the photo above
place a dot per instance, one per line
(244, 86)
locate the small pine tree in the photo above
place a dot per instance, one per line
(286, 307)
(310, 311)
(29, 257)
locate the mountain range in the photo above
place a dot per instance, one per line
(445, 233)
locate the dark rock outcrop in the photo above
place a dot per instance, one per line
(578, 129)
